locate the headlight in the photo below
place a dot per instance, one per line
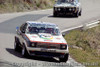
(58, 9)
(32, 44)
(70, 9)
(55, 8)
(63, 46)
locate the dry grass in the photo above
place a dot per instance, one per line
(24, 5)
(89, 41)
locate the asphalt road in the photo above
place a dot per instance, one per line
(8, 23)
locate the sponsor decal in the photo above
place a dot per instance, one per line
(58, 38)
(46, 50)
(34, 36)
(47, 40)
(46, 37)
(42, 41)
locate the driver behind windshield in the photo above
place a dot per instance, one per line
(36, 30)
(66, 1)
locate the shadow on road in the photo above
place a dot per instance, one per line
(18, 54)
(62, 16)
(13, 52)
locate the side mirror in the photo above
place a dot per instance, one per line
(17, 29)
(63, 34)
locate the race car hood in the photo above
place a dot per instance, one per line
(66, 5)
(42, 37)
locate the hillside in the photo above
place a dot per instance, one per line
(24, 5)
(84, 46)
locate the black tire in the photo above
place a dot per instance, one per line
(54, 14)
(16, 46)
(76, 14)
(24, 52)
(80, 13)
(65, 58)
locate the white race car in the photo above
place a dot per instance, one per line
(41, 39)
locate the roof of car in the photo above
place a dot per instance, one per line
(36, 22)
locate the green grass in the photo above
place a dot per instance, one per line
(89, 42)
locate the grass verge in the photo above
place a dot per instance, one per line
(85, 46)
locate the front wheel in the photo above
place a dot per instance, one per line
(65, 58)
(16, 46)
(55, 14)
(80, 13)
(76, 14)
(24, 52)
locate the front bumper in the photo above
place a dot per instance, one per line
(47, 52)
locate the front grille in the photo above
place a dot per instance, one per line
(66, 9)
(48, 45)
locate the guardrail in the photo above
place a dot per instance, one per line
(91, 25)
(84, 26)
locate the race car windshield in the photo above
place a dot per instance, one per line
(50, 29)
(66, 1)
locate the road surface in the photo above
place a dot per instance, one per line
(8, 23)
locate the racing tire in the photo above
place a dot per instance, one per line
(76, 14)
(24, 52)
(55, 14)
(16, 46)
(64, 59)
(80, 13)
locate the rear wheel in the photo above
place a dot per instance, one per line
(65, 58)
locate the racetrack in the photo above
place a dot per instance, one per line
(8, 23)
